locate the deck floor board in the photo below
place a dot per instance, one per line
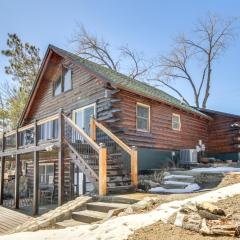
(10, 219)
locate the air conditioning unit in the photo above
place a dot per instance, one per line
(188, 156)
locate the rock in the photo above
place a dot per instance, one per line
(121, 214)
(208, 215)
(129, 210)
(211, 208)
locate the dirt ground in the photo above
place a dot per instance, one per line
(162, 231)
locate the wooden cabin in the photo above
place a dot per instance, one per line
(84, 118)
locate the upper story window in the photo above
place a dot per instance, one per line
(67, 79)
(57, 86)
(63, 83)
(176, 122)
(143, 117)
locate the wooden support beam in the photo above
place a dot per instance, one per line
(84, 184)
(93, 129)
(77, 183)
(2, 179)
(17, 182)
(35, 182)
(61, 160)
(134, 167)
(71, 180)
(102, 170)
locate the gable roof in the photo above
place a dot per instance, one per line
(126, 82)
(118, 79)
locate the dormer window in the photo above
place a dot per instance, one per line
(63, 82)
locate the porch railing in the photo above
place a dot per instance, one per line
(100, 133)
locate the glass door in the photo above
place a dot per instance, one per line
(83, 115)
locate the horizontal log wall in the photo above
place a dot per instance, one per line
(222, 137)
(161, 135)
(86, 89)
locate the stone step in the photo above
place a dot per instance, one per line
(88, 216)
(105, 206)
(174, 185)
(180, 178)
(68, 223)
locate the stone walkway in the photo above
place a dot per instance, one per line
(10, 219)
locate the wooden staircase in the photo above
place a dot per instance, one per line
(100, 157)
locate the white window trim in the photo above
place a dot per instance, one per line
(149, 116)
(82, 108)
(45, 173)
(180, 124)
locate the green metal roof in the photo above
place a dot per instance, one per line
(126, 82)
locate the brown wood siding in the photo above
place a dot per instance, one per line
(223, 137)
(161, 135)
(86, 89)
(53, 160)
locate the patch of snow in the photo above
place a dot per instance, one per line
(215, 170)
(178, 177)
(120, 228)
(190, 188)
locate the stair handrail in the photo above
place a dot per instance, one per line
(85, 136)
(102, 155)
(132, 151)
(123, 145)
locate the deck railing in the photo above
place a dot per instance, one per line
(32, 134)
(100, 133)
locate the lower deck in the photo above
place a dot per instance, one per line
(10, 219)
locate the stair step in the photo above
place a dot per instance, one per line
(88, 216)
(68, 223)
(118, 178)
(121, 189)
(105, 206)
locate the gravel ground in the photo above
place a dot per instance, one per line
(162, 231)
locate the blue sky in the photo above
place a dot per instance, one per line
(145, 25)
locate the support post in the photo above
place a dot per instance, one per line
(17, 182)
(2, 180)
(72, 169)
(77, 179)
(93, 134)
(61, 160)
(35, 182)
(84, 184)
(134, 166)
(102, 170)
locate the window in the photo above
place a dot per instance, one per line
(63, 83)
(48, 130)
(176, 122)
(46, 174)
(143, 117)
(57, 87)
(67, 80)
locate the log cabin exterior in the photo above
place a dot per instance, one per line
(83, 116)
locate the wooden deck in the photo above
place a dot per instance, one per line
(10, 219)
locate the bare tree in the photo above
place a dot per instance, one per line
(100, 51)
(210, 38)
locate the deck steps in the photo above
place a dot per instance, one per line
(68, 223)
(93, 212)
(105, 207)
(88, 216)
